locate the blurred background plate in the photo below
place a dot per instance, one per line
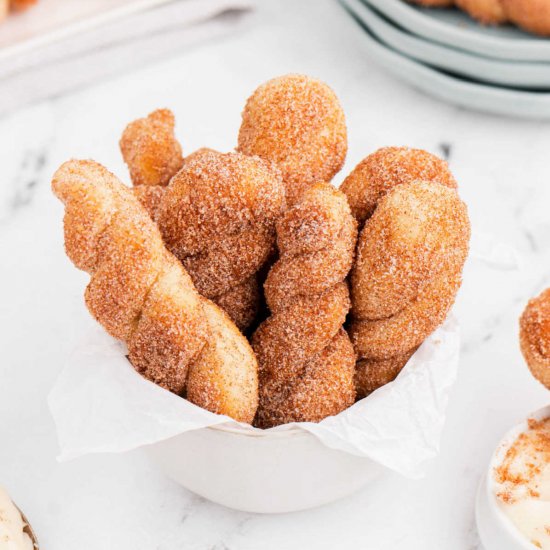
(455, 28)
(497, 100)
(507, 73)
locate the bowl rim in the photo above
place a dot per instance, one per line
(27, 528)
(245, 431)
(498, 454)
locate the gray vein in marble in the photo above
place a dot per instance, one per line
(492, 323)
(29, 174)
(446, 149)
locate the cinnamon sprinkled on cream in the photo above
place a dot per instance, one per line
(523, 483)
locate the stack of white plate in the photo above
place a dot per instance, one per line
(448, 55)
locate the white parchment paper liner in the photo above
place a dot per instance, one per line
(101, 405)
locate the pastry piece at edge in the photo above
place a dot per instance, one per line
(535, 337)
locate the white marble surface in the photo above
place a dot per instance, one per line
(122, 502)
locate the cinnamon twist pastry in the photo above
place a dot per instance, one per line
(371, 374)
(296, 122)
(153, 156)
(305, 357)
(369, 181)
(150, 197)
(535, 337)
(150, 149)
(387, 167)
(218, 217)
(531, 15)
(141, 294)
(410, 256)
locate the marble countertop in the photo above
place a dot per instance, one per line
(123, 502)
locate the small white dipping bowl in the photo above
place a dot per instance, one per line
(264, 472)
(496, 531)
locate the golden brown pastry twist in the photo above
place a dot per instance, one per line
(218, 217)
(141, 294)
(387, 167)
(410, 256)
(371, 374)
(150, 149)
(153, 156)
(369, 181)
(305, 357)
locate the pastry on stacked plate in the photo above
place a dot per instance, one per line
(498, 68)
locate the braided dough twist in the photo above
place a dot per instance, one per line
(218, 217)
(141, 294)
(535, 337)
(408, 269)
(387, 167)
(371, 374)
(150, 149)
(370, 180)
(305, 357)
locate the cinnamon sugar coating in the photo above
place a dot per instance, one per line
(141, 294)
(150, 197)
(243, 301)
(150, 149)
(535, 337)
(305, 357)
(371, 374)
(296, 122)
(409, 264)
(218, 217)
(402, 246)
(386, 168)
(220, 379)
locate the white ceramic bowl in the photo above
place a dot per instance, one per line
(283, 469)
(267, 472)
(495, 529)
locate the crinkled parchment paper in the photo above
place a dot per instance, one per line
(101, 405)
